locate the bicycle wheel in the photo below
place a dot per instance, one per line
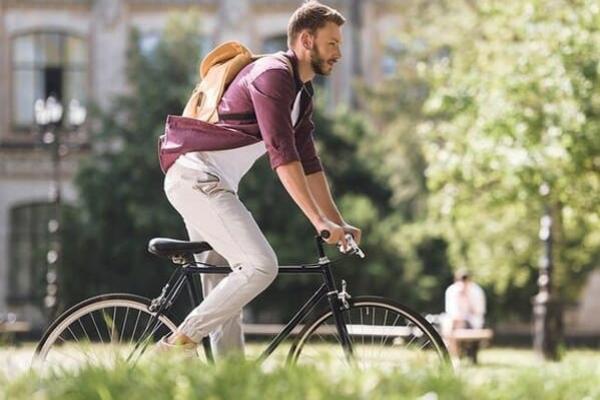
(101, 330)
(383, 333)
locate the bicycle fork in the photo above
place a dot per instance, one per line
(337, 306)
(338, 302)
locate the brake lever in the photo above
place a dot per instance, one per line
(353, 247)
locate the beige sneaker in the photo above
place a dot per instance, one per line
(188, 350)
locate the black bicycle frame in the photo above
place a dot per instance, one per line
(184, 276)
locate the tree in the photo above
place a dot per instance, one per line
(513, 107)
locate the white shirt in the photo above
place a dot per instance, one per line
(466, 301)
(232, 164)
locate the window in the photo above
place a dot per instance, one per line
(28, 246)
(47, 64)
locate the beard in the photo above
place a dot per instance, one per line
(317, 62)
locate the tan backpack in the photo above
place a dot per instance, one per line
(217, 70)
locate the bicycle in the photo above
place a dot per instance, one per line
(363, 331)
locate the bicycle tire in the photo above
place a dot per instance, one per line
(414, 321)
(88, 307)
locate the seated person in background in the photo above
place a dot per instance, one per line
(465, 308)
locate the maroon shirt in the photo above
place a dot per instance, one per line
(263, 93)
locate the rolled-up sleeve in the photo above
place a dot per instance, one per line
(272, 95)
(305, 144)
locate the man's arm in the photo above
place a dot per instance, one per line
(319, 188)
(317, 183)
(452, 310)
(272, 95)
(295, 182)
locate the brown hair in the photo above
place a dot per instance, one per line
(312, 15)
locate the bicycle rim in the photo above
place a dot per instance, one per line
(383, 333)
(101, 331)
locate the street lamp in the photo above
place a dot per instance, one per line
(546, 308)
(48, 117)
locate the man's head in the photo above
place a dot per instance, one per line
(314, 31)
(461, 275)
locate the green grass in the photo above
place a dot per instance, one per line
(503, 374)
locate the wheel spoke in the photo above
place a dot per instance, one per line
(145, 329)
(124, 324)
(85, 331)
(393, 325)
(411, 338)
(97, 330)
(114, 324)
(373, 336)
(384, 324)
(136, 324)
(81, 344)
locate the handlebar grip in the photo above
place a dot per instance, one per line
(325, 234)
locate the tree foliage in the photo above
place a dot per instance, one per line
(513, 107)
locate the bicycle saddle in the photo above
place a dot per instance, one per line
(170, 247)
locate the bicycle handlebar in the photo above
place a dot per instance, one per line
(352, 246)
(324, 234)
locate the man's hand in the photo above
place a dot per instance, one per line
(354, 231)
(336, 232)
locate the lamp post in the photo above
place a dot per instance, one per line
(546, 311)
(48, 117)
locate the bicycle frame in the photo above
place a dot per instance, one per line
(336, 299)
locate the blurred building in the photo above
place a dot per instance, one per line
(76, 49)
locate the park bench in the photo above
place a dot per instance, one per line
(394, 331)
(471, 339)
(8, 329)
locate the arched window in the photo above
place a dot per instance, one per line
(29, 241)
(43, 64)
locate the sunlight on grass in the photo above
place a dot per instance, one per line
(501, 374)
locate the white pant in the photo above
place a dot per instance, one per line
(212, 212)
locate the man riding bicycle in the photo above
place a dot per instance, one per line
(202, 185)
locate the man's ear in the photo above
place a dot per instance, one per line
(307, 40)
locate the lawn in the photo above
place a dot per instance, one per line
(501, 374)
